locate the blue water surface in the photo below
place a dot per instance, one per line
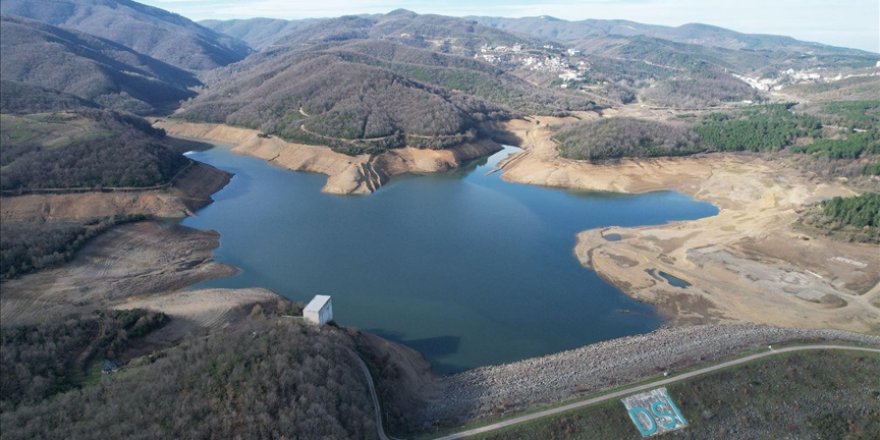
(462, 266)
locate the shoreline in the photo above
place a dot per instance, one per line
(189, 193)
(346, 175)
(425, 396)
(746, 264)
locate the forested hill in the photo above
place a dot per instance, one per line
(85, 148)
(21, 98)
(325, 99)
(162, 35)
(552, 28)
(91, 68)
(436, 32)
(259, 33)
(369, 95)
(52, 140)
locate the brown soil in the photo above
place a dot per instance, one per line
(190, 192)
(128, 261)
(745, 264)
(361, 174)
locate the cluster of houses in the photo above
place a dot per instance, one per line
(549, 59)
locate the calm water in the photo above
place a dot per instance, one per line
(464, 267)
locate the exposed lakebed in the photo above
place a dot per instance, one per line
(462, 266)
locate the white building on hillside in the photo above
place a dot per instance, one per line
(319, 310)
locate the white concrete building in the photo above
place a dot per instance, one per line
(319, 310)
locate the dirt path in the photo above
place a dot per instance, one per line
(747, 263)
(647, 386)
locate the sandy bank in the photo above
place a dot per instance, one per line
(745, 264)
(189, 193)
(361, 174)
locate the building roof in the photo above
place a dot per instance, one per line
(317, 303)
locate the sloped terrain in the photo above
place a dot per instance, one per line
(445, 34)
(89, 68)
(158, 33)
(331, 99)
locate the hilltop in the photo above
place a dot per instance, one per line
(160, 34)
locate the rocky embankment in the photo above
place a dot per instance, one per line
(549, 379)
(361, 174)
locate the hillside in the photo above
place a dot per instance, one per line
(259, 33)
(20, 98)
(88, 67)
(359, 98)
(436, 32)
(688, 66)
(551, 28)
(160, 34)
(84, 148)
(268, 377)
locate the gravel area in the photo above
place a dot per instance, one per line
(517, 386)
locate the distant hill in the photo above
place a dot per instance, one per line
(436, 32)
(259, 33)
(161, 34)
(551, 28)
(88, 67)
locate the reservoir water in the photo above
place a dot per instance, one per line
(462, 266)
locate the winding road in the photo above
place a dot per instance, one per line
(628, 391)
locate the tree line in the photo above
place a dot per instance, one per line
(765, 128)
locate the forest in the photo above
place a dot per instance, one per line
(765, 128)
(267, 378)
(853, 218)
(614, 138)
(860, 211)
(85, 148)
(328, 100)
(39, 361)
(699, 89)
(852, 146)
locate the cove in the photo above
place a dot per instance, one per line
(461, 266)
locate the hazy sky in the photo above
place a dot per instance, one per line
(848, 23)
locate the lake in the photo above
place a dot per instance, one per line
(462, 266)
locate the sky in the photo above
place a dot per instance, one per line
(846, 23)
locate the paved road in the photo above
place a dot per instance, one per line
(628, 391)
